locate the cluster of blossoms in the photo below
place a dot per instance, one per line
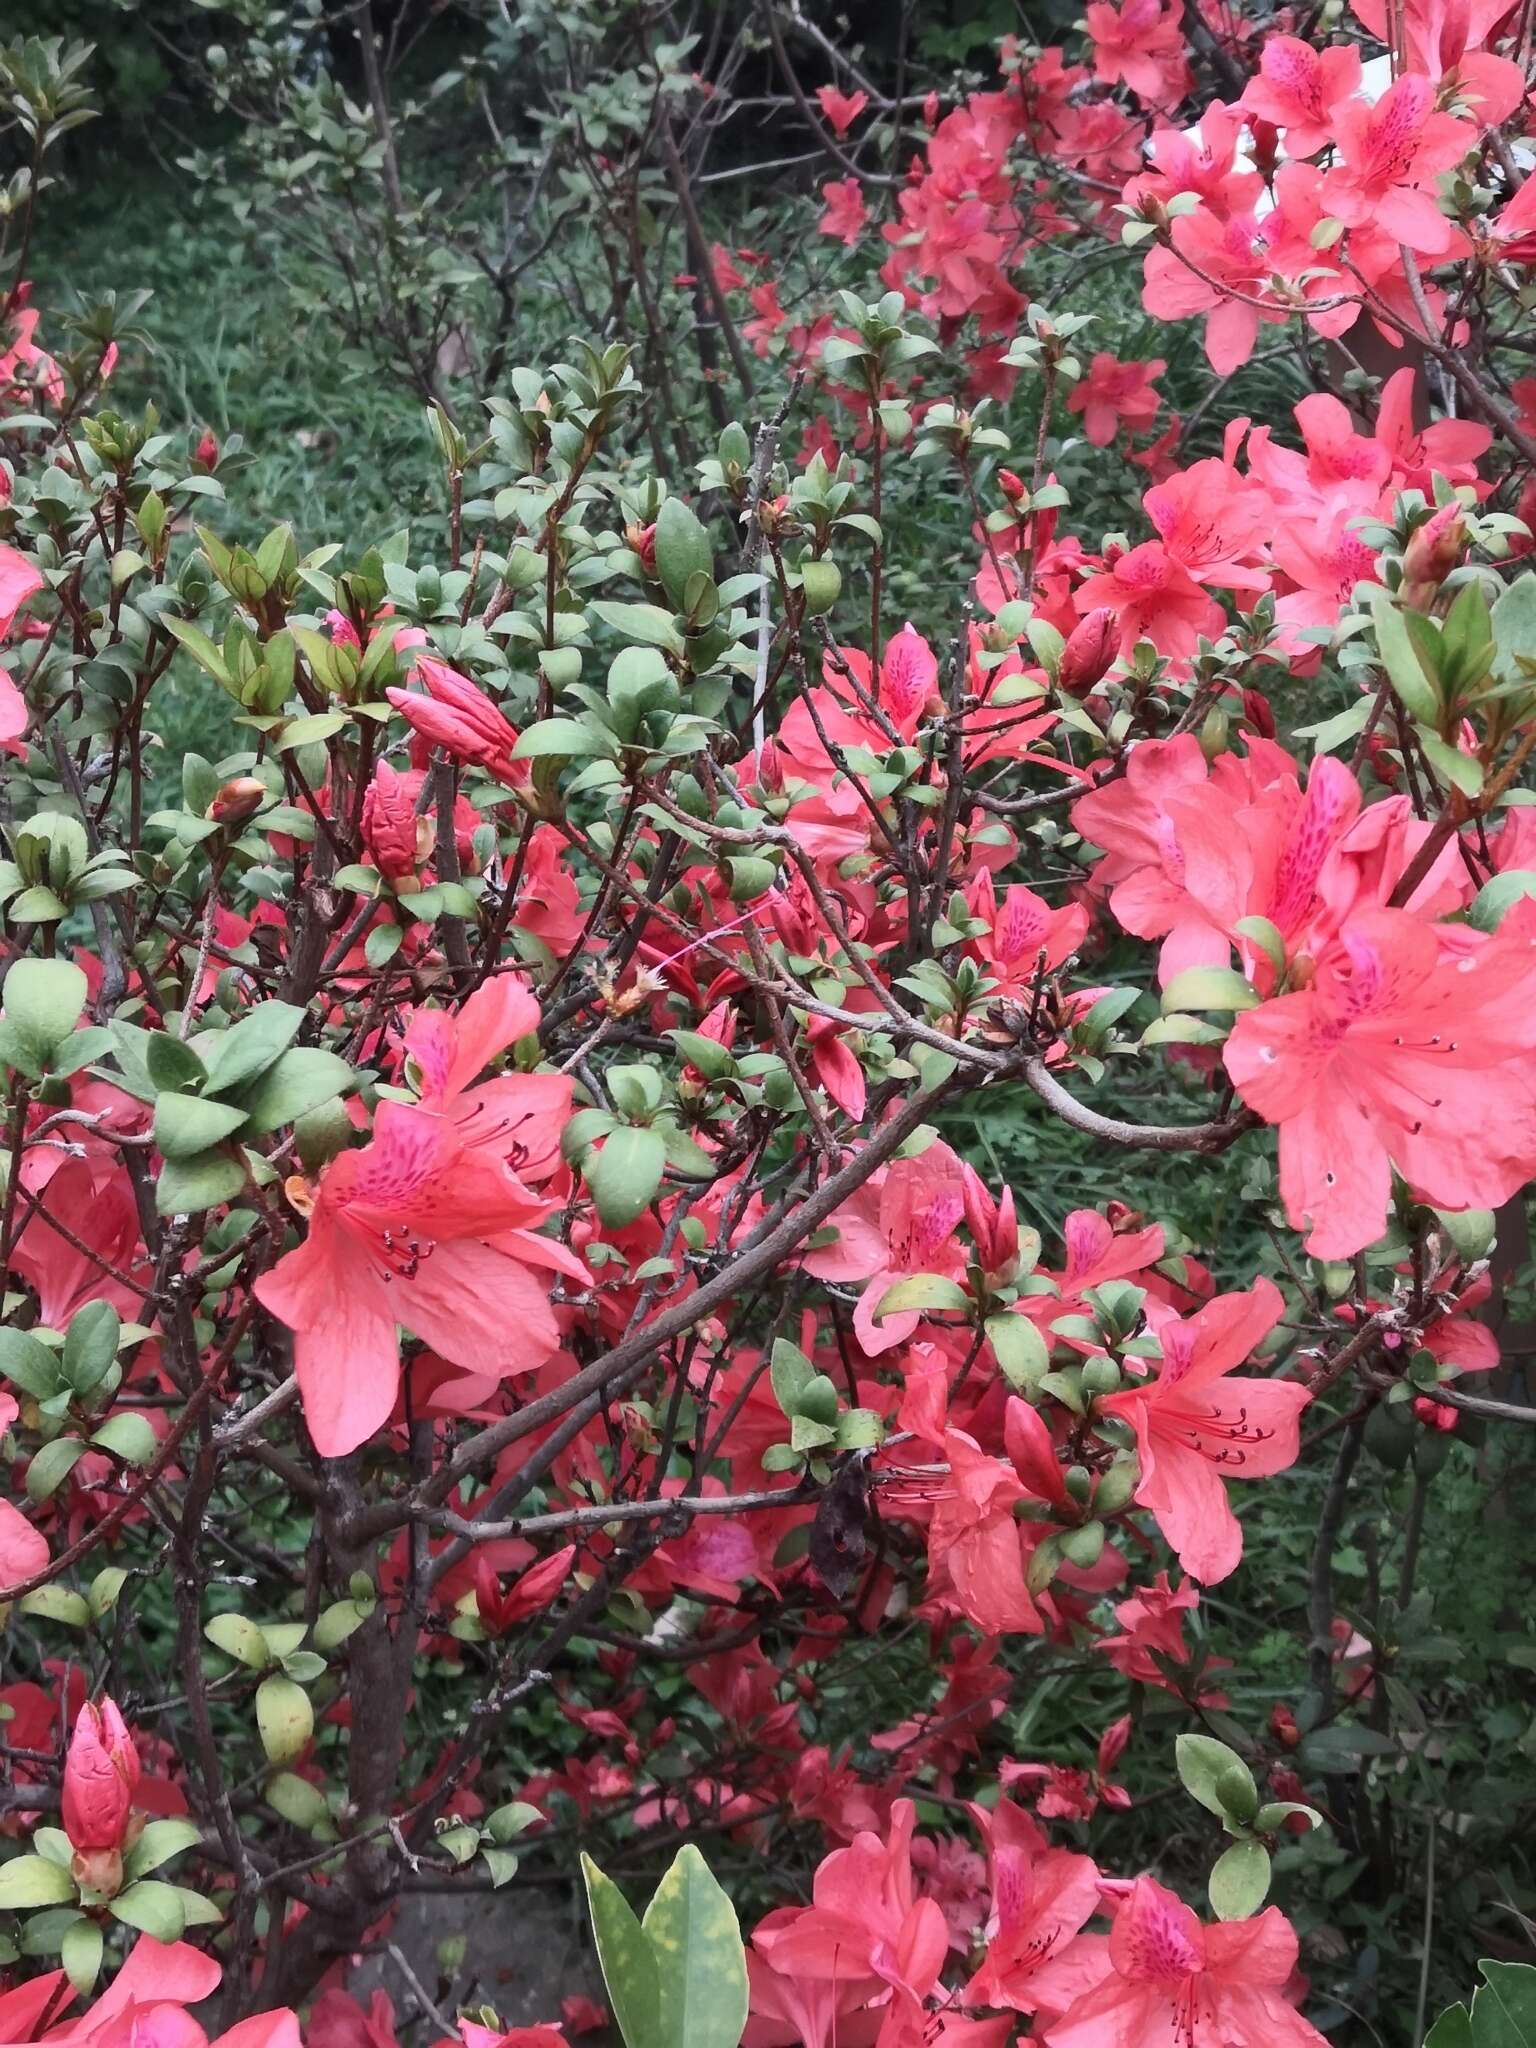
(520, 1116)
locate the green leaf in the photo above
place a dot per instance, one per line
(28, 1881)
(105, 1589)
(299, 1081)
(625, 1175)
(201, 1182)
(300, 1802)
(160, 1841)
(1514, 631)
(1404, 669)
(1201, 1760)
(645, 625)
(80, 1954)
(1020, 1349)
(1504, 2006)
(284, 1718)
(1499, 896)
(701, 1966)
(821, 585)
(1453, 2029)
(153, 1908)
(250, 1047)
(790, 1373)
(682, 549)
(90, 1345)
(921, 1291)
(52, 1465)
(573, 738)
(627, 1960)
(239, 1637)
(128, 1436)
(30, 1365)
(199, 646)
(1461, 771)
(1240, 1881)
(188, 1124)
(57, 1603)
(1209, 988)
(171, 1064)
(37, 906)
(304, 732)
(43, 1001)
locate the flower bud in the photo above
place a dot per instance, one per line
(238, 799)
(770, 768)
(1435, 1414)
(643, 540)
(1282, 1725)
(1090, 651)
(1433, 551)
(101, 1774)
(205, 455)
(1013, 488)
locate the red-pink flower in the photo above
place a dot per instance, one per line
(1139, 45)
(1390, 156)
(846, 212)
(101, 1775)
(1116, 394)
(1176, 1983)
(1196, 1426)
(842, 109)
(1041, 1898)
(400, 1235)
(501, 1607)
(1301, 89)
(865, 1920)
(456, 715)
(1387, 1058)
(1154, 598)
(902, 1221)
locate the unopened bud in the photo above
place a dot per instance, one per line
(1013, 488)
(1433, 551)
(239, 798)
(1090, 651)
(205, 455)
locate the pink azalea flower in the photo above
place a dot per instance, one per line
(846, 212)
(1196, 1426)
(902, 1221)
(1385, 1060)
(1041, 1898)
(842, 109)
(1390, 156)
(399, 1234)
(1300, 89)
(1173, 1980)
(1115, 394)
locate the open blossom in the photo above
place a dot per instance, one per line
(1115, 394)
(402, 1232)
(842, 109)
(1387, 1058)
(1196, 1426)
(1141, 45)
(1174, 1982)
(1390, 156)
(846, 212)
(1300, 89)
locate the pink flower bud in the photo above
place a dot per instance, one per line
(458, 717)
(101, 1774)
(1433, 551)
(205, 455)
(239, 798)
(1090, 651)
(389, 823)
(770, 769)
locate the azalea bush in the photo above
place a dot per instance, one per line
(795, 1163)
